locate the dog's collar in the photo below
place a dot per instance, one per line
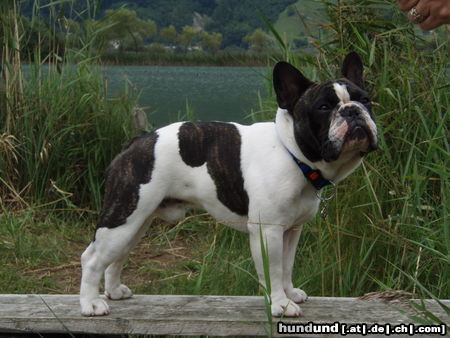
(314, 176)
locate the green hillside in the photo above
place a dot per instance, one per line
(299, 20)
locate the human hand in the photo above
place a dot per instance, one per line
(429, 14)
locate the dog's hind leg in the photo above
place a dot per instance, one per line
(109, 246)
(90, 302)
(113, 287)
(170, 210)
(109, 249)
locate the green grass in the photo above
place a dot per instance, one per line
(39, 253)
(387, 228)
(33, 243)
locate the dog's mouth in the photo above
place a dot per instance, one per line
(357, 131)
(360, 135)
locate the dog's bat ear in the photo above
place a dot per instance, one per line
(352, 69)
(289, 84)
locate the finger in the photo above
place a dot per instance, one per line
(406, 5)
(431, 23)
(439, 16)
(444, 12)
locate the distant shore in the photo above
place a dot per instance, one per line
(246, 59)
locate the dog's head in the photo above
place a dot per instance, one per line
(330, 118)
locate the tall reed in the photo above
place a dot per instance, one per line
(59, 127)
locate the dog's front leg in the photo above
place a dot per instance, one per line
(290, 242)
(273, 243)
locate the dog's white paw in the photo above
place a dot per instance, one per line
(94, 307)
(286, 308)
(297, 295)
(121, 292)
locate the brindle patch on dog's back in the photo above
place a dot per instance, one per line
(131, 168)
(219, 145)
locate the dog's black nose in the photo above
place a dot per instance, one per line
(351, 112)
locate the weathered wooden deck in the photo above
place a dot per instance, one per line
(189, 315)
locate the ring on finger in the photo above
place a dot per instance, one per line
(415, 16)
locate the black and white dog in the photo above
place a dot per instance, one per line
(263, 177)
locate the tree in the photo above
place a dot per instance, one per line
(211, 41)
(169, 33)
(258, 40)
(123, 24)
(187, 37)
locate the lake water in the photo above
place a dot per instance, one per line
(213, 93)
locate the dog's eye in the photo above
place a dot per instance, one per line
(365, 100)
(324, 107)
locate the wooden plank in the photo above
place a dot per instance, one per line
(188, 315)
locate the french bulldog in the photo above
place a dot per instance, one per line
(264, 179)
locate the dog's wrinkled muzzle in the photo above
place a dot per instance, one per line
(352, 128)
